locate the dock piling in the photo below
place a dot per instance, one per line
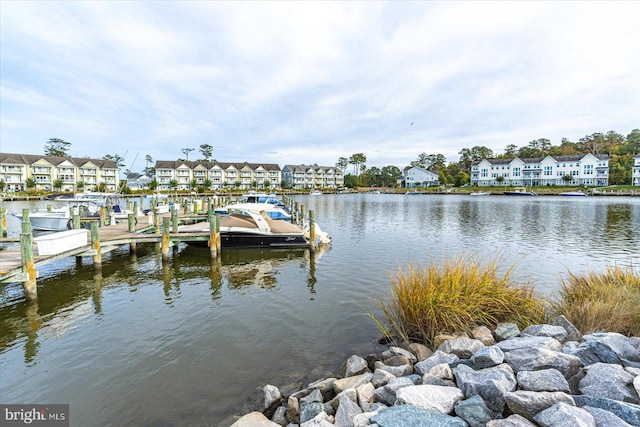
(28, 265)
(166, 224)
(95, 245)
(312, 230)
(3, 222)
(213, 235)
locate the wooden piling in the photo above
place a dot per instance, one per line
(131, 222)
(302, 215)
(26, 252)
(166, 224)
(213, 235)
(312, 230)
(95, 245)
(3, 222)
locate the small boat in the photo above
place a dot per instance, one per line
(61, 217)
(315, 193)
(480, 193)
(255, 229)
(573, 193)
(519, 191)
(272, 210)
(413, 193)
(262, 198)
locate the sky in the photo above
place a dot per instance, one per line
(310, 82)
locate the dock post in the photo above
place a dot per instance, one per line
(213, 235)
(156, 219)
(76, 220)
(166, 223)
(95, 245)
(312, 230)
(3, 222)
(28, 265)
(302, 215)
(131, 219)
(174, 220)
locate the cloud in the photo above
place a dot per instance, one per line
(309, 82)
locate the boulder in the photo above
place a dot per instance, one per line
(321, 420)
(398, 371)
(411, 416)
(347, 409)
(514, 420)
(398, 351)
(366, 395)
(491, 384)
(381, 377)
(421, 351)
(529, 341)
(397, 360)
(619, 344)
(293, 410)
(351, 382)
(536, 358)
(606, 418)
(563, 415)
(505, 331)
(557, 332)
(442, 371)
(608, 381)
(486, 357)
(628, 412)
(280, 416)
(474, 411)
(435, 359)
(263, 399)
(573, 334)
(356, 365)
(387, 393)
(543, 380)
(254, 419)
(464, 348)
(438, 398)
(440, 338)
(484, 335)
(310, 411)
(529, 403)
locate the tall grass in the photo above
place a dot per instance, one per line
(605, 301)
(455, 297)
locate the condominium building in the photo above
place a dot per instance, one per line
(635, 176)
(304, 176)
(415, 177)
(581, 169)
(182, 175)
(22, 171)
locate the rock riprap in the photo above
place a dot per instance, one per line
(546, 375)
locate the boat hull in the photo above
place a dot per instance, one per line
(249, 240)
(50, 222)
(515, 193)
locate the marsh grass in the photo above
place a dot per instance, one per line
(605, 301)
(455, 297)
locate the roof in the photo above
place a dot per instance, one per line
(569, 158)
(29, 159)
(174, 164)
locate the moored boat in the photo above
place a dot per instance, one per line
(273, 211)
(573, 193)
(519, 191)
(479, 193)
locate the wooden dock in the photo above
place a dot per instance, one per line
(20, 263)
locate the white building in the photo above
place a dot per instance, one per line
(415, 176)
(304, 176)
(635, 176)
(581, 169)
(217, 175)
(57, 173)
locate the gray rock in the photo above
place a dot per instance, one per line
(254, 419)
(387, 393)
(529, 341)
(280, 416)
(619, 344)
(573, 334)
(529, 403)
(349, 393)
(491, 384)
(483, 334)
(263, 399)
(421, 351)
(605, 418)
(487, 357)
(474, 411)
(325, 386)
(381, 377)
(366, 395)
(536, 358)
(411, 416)
(397, 360)
(435, 359)
(398, 371)
(428, 379)
(514, 420)
(591, 352)
(636, 384)
(320, 420)
(347, 409)
(351, 382)
(557, 332)
(293, 409)
(314, 396)
(505, 331)
(635, 342)
(356, 365)
(442, 370)
(563, 415)
(438, 398)
(310, 411)
(543, 380)
(628, 412)
(574, 381)
(397, 351)
(608, 381)
(464, 348)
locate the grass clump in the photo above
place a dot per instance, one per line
(456, 297)
(605, 301)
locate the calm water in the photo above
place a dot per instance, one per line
(184, 343)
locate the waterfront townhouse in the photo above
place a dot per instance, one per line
(635, 175)
(187, 175)
(312, 176)
(21, 171)
(415, 176)
(580, 169)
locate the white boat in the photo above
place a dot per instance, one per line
(519, 191)
(273, 211)
(59, 218)
(262, 198)
(480, 193)
(315, 193)
(573, 193)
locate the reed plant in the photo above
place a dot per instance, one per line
(602, 301)
(455, 297)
